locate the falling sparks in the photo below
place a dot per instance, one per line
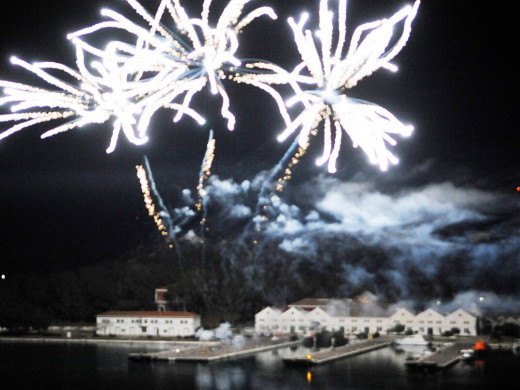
(148, 200)
(368, 125)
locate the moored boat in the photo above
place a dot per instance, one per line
(415, 339)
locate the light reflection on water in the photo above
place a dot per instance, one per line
(104, 366)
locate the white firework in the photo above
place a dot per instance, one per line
(96, 93)
(213, 47)
(112, 85)
(368, 125)
(206, 51)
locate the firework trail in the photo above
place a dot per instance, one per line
(294, 153)
(205, 172)
(145, 177)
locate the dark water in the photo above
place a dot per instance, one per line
(105, 366)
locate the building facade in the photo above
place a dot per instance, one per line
(147, 323)
(354, 318)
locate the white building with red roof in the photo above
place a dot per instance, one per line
(147, 323)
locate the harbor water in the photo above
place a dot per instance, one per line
(38, 365)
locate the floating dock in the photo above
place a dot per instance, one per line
(442, 358)
(330, 354)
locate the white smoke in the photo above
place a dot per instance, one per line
(425, 242)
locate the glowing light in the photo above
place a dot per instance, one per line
(368, 125)
(518, 189)
(3, 277)
(309, 377)
(309, 356)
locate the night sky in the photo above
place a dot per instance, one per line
(451, 206)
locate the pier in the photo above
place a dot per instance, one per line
(214, 352)
(330, 354)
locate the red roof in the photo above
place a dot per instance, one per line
(148, 314)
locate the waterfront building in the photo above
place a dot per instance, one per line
(147, 323)
(355, 316)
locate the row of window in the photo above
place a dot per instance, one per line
(353, 329)
(139, 321)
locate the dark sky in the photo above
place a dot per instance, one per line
(64, 202)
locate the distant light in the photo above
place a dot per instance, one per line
(3, 277)
(518, 189)
(309, 377)
(481, 299)
(309, 356)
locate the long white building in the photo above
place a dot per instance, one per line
(309, 315)
(147, 323)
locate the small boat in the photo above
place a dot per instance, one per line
(415, 339)
(467, 354)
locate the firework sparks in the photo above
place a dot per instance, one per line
(368, 125)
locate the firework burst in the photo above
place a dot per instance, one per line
(368, 125)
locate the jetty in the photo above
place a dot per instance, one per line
(213, 352)
(330, 354)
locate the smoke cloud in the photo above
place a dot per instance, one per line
(436, 245)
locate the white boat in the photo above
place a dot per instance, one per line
(415, 339)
